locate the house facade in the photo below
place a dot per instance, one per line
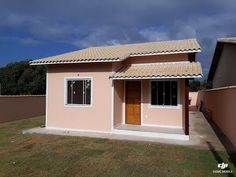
(101, 89)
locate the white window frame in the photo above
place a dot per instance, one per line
(66, 79)
(165, 106)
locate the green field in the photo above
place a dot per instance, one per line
(50, 155)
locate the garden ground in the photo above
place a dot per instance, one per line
(52, 155)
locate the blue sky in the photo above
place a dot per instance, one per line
(31, 29)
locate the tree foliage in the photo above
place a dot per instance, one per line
(20, 78)
(196, 85)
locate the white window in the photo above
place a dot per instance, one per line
(164, 93)
(78, 91)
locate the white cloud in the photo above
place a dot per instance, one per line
(152, 34)
(185, 31)
(85, 23)
(102, 36)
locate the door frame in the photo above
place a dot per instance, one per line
(141, 102)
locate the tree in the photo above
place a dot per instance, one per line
(20, 78)
(194, 85)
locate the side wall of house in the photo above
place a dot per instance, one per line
(96, 117)
(225, 71)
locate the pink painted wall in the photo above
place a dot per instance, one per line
(21, 107)
(116, 66)
(160, 116)
(98, 116)
(118, 101)
(193, 96)
(153, 115)
(222, 103)
(156, 58)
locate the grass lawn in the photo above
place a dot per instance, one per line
(49, 155)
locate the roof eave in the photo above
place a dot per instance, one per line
(157, 77)
(227, 40)
(165, 53)
(68, 62)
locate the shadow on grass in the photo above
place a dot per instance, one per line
(230, 148)
(217, 157)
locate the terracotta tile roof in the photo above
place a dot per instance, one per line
(159, 70)
(121, 52)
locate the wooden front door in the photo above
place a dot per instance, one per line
(133, 102)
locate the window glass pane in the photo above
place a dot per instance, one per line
(87, 87)
(164, 93)
(77, 92)
(154, 93)
(69, 91)
(174, 91)
(167, 92)
(160, 93)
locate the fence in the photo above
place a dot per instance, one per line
(21, 107)
(220, 103)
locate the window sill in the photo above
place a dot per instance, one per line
(78, 105)
(164, 107)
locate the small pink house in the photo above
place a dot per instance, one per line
(136, 89)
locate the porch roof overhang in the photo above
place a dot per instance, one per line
(159, 71)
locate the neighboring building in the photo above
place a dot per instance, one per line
(223, 68)
(219, 103)
(102, 89)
